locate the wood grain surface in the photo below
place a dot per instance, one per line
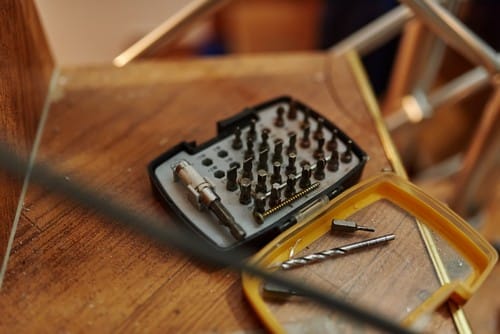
(72, 270)
(25, 69)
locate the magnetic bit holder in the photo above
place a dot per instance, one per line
(202, 194)
(332, 252)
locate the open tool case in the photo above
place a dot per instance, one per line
(401, 279)
(308, 162)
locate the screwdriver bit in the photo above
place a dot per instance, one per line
(339, 225)
(280, 120)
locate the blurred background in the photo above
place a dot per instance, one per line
(89, 32)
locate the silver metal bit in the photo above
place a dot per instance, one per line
(260, 203)
(247, 168)
(291, 168)
(263, 156)
(245, 191)
(202, 194)
(276, 176)
(333, 162)
(332, 143)
(304, 141)
(261, 187)
(275, 198)
(319, 153)
(278, 150)
(264, 135)
(339, 225)
(249, 150)
(290, 185)
(232, 175)
(292, 140)
(319, 171)
(323, 255)
(237, 142)
(305, 177)
(277, 292)
(346, 156)
(252, 133)
(319, 129)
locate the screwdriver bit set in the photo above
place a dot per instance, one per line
(268, 167)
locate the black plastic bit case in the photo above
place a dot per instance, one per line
(212, 164)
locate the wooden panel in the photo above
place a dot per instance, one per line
(25, 69)
(72, 272)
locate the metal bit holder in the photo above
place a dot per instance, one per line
(220, 159)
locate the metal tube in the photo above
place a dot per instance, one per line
(169, 29)
(375, 33)
(432, 58)
(459, 88)
(454, 91)
(455, 33)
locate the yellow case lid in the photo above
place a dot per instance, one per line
(410, 279)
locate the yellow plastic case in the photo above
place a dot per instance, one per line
(466, 256)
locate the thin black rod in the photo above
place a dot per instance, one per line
(154, 228)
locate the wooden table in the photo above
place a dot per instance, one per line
(71, 270)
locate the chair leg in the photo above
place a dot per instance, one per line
(475, 160)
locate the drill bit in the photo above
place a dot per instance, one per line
(323, 255)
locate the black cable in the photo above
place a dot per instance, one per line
(155, 229)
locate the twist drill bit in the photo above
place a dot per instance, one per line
(323, 255)
(203, 194)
